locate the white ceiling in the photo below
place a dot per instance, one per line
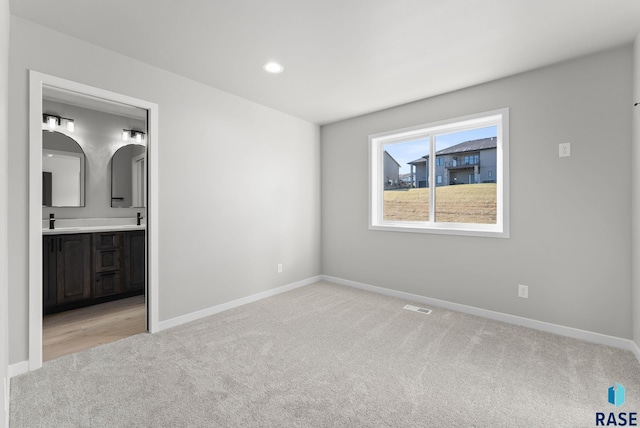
(342, 58)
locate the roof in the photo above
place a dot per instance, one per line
(470, 146)
(417, 161)
(467, 146)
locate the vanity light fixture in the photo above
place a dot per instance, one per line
(130, 133)
(54, 121)
(273, 67)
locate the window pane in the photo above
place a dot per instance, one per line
(406, 181)
(468, 191)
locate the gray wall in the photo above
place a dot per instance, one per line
(100, 135)
(4, 72)
(219, 240)
(636, 195)
(570, 240)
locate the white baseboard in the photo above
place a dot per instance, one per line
(575, 333)
(173, 322)
(18, 368)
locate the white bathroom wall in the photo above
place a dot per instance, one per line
(239, 183)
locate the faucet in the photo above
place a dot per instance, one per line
(138, 218)
(52, 220)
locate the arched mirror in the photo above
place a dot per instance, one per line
(129, 177)
(63, 165)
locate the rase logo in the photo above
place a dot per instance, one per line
(616, 396)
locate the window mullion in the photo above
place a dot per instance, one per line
(432, 178)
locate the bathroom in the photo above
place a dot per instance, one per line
(94, 194)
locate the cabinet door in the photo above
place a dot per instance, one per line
(49, 270)
(74, 267)
(135, 265)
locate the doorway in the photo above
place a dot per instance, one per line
(105, 100)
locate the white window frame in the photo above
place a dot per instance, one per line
(377, 143)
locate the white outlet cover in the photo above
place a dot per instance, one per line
(564, 150)
(523, 291)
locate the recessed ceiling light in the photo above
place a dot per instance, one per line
(273, 67)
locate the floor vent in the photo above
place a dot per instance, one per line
(417, 309)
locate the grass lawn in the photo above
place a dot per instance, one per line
(463, 203)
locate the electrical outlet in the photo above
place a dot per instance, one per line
(565, 150)
(523, 291)
(279, 267)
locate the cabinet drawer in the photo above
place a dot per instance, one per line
(106, 283)
(107, 260)
(107, 240)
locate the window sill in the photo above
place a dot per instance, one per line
(459, 229)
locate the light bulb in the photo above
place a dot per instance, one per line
(138, 137)
(52, 121)
(273, 67)
(71, 125)
(125, 135)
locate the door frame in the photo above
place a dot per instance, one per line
(36, 82)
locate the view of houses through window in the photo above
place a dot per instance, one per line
(447, 177)
(465, 165)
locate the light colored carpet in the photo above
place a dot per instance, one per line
(330, 356)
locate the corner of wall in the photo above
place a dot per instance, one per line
(635, 200)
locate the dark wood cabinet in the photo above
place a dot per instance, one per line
(49, 270)
(134, 260)
(108, 263)
(89, 268)
(67, 268)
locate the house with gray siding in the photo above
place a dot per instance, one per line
(469, 162)
(391, 171)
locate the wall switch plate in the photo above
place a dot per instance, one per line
(565, 150)
(279, 267)
(523, 291)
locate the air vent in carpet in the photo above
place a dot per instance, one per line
(417, 309)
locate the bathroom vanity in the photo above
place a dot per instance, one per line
(83, 266)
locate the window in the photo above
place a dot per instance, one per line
(458, 155)
(471, 160)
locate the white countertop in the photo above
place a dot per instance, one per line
(90, 225)
(91, 229)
